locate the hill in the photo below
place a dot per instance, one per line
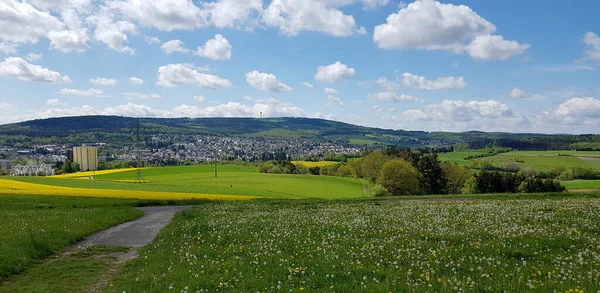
(116, 129)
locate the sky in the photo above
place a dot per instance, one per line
(516, 66)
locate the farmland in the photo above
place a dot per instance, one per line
(198, 181)
(437, 245)
(538, 160)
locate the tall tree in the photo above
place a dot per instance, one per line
(399, 177)
(434, 179)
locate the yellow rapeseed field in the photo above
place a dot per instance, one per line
(24, 188)
(91, 173)
(314, 164)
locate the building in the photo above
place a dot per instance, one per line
(86, 157)
(32, 170)
(5, 164)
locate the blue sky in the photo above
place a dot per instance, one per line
(519, 66)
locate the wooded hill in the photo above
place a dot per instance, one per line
(119, 130)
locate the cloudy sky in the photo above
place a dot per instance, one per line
(512, 65)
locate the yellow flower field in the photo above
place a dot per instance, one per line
(91, 173)
(25, 188)
(314, 164)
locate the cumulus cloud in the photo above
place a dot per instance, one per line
(174, 46)
(217, 48)
(392, 97)
(8, 48)
(441, 83)
(111, 32)
(334, 101)
(457, 111)
(140, 96)
(490, 47)
(91, 92)
(308, 85)
(575, 111)
(20, 22)
(6, 106)
(431, 25)
(152, 40)
(164, 15)
(388, 84)
(136, 81)
(593, 42)
(334, 72)
(266, 82)
(72, 39)
(331, 91)
(31, 57)
(294, 16)
(199, 98)
(103, 81)
(172, 75)
(18, 68)
(55, 103)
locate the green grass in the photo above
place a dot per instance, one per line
(434, 245)
(232, 180)
(458, 157)
(63, 276)
(35, 227)
(582, 184)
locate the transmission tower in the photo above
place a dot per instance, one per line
(139, 177)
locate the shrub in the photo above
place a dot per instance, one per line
(377, 190)
(399, 177)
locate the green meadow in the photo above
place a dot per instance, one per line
(230, 180)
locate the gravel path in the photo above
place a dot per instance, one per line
(135, 233)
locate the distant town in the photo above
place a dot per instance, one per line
(162, 150)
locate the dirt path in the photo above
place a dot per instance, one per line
(136, 233)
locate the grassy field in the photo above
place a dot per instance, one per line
(199, 182)
(435, 245)
(35, 227)
(582, 184)
(314, 164)
(538, 160)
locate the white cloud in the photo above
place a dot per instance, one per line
(367, 4)
(140, 96)
(152, 40)
(91, 92)
(21, 69)
(136, 81)
(20, 22)
(460, 111)
(593, 42)
(388, 84)
(112, 33)
(266, 82)
(103, 81)
(31, 57)
(134, 110)
(234, 13)
(517, 93)
(269, 108)
(334, 101)
(494, 47)
(567, 68)
(8, 48)
(578, 109)
(308, 85)
(199, 98)
(392, 97)
(334, 72)
(59, 5)
(6, 107)
(431, 25)
(164, 15)
(55, 103)
(294, 16)
(217, 48)
(331, 91)
(172, 75)
(441, 83)
(73, 39)
(174, 46)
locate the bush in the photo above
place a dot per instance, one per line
(399, 177)
(456, 176)
(377, 190)
(275, 170)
